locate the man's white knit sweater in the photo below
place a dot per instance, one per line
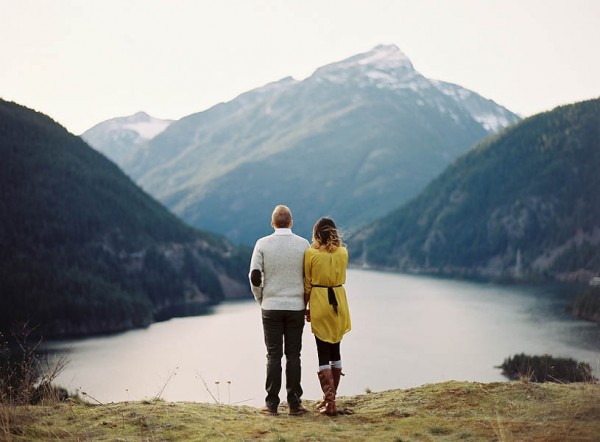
(280, 258)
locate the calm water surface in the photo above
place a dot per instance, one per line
(407, 331)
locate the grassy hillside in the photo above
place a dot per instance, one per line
(523, 204)
(83, 249)
(448, 411)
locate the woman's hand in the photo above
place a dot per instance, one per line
(307, 315)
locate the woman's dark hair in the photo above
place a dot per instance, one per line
(325, 235)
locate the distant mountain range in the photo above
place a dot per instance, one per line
(524, 204)
(355, 140)
(120, 139)
(84, 250)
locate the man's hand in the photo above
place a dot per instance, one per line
(307, 315)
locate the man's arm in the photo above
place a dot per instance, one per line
(307, 284)
(256, 275)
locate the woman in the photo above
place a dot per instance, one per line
(327, 308)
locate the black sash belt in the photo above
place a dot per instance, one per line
(331, 295)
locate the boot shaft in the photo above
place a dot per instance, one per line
(328, 387)
(336, 374)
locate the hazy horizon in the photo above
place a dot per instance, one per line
(86, 62)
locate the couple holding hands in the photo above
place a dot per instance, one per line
(294, 281)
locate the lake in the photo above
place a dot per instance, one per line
(407, 331)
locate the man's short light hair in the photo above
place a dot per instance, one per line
(282, 217)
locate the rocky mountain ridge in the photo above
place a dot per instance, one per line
(355, 140)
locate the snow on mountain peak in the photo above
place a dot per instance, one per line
(386, 57)
(382, 57)
(384, 66)
(146, 126)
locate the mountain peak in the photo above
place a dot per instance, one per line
(145, 125)
(141, 116)
(385, 56)
(384, 66)
(119, 138)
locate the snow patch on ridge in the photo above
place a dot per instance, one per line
(141, 123)
(148, 129)
(490, 115)
(491, 122)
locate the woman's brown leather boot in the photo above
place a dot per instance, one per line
(336, 374)
(326, 379)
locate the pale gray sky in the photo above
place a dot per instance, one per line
(85, 61)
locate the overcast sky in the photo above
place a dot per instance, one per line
(85, 61)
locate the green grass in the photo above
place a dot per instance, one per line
(447, 411)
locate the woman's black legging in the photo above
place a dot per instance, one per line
(327, 352)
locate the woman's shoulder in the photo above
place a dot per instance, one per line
(315, 251)
(342, 249)
(311, 251)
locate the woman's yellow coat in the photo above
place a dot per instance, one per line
(322, 268)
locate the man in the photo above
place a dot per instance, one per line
(277, 282)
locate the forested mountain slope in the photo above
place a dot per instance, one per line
(523, 204)
(83, 249)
